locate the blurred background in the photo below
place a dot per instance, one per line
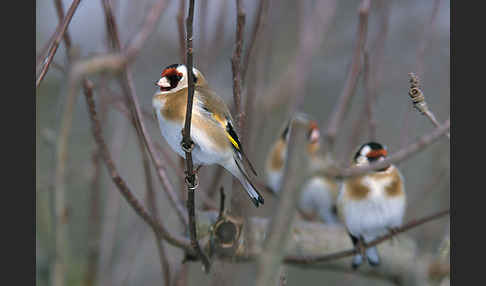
(309, 42)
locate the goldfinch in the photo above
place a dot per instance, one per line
(318, 199)
(212, 128)
(372, 204)
(275, 162)
(318, 196)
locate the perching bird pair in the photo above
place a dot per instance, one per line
(369, 205)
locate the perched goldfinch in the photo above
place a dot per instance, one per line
(318, 199)
(212, 129)
(275, 162)
(318, 196)
(372, 204)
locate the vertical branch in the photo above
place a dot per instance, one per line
(187, 144)
(60, 210)
(111, 209)
(344, 100)
(181, 30)
(152, 205)
(94, 225)
(251, 89)
(427, 30)
(236, 62)
(94, 219)
(259, 26)
(202, 60)
(217, 39)
(369, 97)
(268, 263)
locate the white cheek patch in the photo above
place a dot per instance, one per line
(366, 149)
(182, 69)
(163, 82)
(314, 135)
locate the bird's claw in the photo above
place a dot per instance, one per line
(187, 147)
(192, 181)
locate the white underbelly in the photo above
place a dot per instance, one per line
(372, 217)
(204, 152)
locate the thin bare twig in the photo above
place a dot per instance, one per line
(187, 144)
(181, 29)
(152, 205)
(419, 102)
(370, 99)
(367, 113)
(400, 155)
(427, 30)
(352, 79)
(341, 254)
(61, 215)
(311, 33)
(217, 39)
(251, 89)
(259, 26)
(61, 29)
(128, 88)
(156, 226)
(94, 222)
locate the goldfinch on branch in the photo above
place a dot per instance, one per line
(277, 157)
(373, 204)
(212, 128)
(318, 195)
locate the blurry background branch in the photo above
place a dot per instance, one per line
(342, 106)
(276, 63)
(268, 262)
(401, 264)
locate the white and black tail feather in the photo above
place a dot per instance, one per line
(252, 192)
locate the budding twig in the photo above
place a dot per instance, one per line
(418, 100)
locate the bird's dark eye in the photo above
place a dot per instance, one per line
(174, 79)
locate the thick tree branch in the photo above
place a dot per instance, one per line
(402, 263)
(268, 263)
(236, 61)
(328, 257)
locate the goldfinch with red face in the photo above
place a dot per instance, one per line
(318, 196)
(373, 204)
(212, 128)
(277, 156)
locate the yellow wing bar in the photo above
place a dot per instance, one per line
(229, 130)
